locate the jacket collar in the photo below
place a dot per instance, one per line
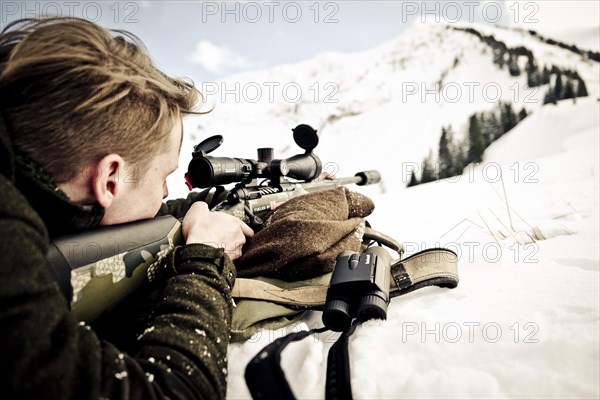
(7, 155)
(60, 215)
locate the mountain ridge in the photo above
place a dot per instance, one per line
(390, 101)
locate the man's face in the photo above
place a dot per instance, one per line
(141, 193)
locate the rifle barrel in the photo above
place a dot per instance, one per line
(368, 177)
(361, 179)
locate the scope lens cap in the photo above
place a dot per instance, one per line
(210, 144)
(306, 137)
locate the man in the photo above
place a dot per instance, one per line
(89, 131)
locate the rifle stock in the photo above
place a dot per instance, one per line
(98, 269)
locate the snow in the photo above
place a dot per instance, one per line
(524, 321)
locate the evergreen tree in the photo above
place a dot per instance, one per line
(498, 129)
(549, 96)
(513, 65)
(499, 56)
(594, 55)
(508, 118)
(558, 86)
(413, 180)
(581, 89)
(545, 76)
(534, 78)
(428, 174)
(569, 91)
(490, 127)
(486, 129)
(444, 156)
(458, 155)
(476, 145)
(522, 114)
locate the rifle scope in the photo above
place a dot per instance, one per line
(206, 171)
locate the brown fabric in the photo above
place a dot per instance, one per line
(302, 238)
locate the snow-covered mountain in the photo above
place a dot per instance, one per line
(524, 321)
(386, 103)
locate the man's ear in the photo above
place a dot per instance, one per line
(106, 181)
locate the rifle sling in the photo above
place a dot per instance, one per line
(264, 377)
(337, 381)
(371, 234)
(431, 267)
(266, 380)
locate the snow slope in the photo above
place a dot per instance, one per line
(524, 321)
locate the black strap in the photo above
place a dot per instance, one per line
(264, 377)
(337, 383)
(266, 380)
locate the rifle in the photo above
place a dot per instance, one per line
(250, 200)
(98, 269)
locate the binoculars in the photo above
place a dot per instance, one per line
(359, 288)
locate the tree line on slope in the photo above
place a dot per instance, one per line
(563, 83)
(486, 127)
(454, 155)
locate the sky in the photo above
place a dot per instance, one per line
(210, 40)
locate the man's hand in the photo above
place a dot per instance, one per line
(216, 229)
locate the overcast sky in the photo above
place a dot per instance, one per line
(211, 39)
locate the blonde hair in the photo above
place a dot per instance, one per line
(72, 92)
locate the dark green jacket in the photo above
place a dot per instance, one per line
(180, 347)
